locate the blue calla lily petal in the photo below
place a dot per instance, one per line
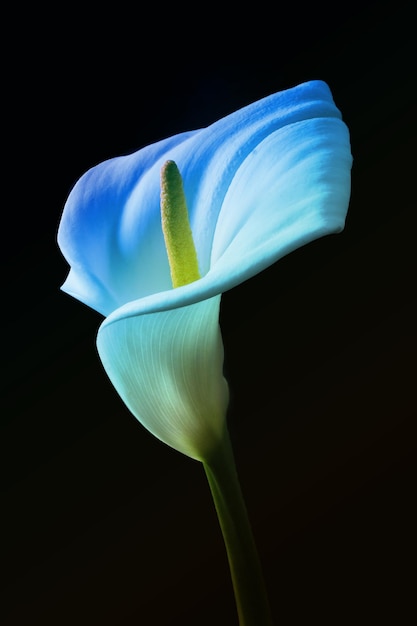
(110, 230)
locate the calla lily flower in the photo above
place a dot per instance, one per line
(259, 183)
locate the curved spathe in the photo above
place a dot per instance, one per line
(259, 184)
(244, 176)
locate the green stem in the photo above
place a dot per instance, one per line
(250, 593)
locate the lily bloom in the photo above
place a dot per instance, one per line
(258, 184)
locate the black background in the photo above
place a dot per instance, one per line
(103, 524)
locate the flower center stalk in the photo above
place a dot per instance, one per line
(179, 243)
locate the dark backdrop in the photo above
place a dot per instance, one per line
(103, 524)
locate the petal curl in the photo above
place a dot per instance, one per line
(110, 232)
(168, 369)
(294, 187)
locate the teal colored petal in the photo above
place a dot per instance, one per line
(168, 369)
(110, 231)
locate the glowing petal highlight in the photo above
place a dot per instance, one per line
(293, 188)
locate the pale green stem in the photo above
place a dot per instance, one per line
(249, 588)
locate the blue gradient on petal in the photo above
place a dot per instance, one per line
(259, 183)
